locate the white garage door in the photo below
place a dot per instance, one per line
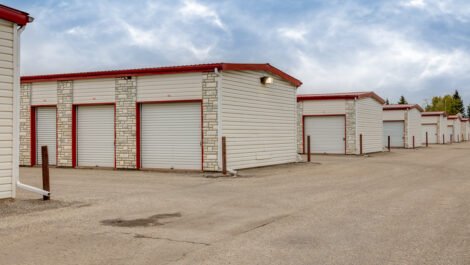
(46, 133)
(171, 136)
(95, 136)
(450, 133)
(326, 134)
(396, 131)
(431, 129)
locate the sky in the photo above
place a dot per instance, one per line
(415, 48)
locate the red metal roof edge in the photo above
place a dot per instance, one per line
(403, 107)
(347, 95)
(14, 15)
(434, 113)
(162, 70)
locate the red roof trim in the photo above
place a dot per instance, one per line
(335, 96)
(163, 70)
(433, 113)
(403, 107)
(16, 16)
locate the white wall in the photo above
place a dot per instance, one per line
(94, 91)
(258, 121)
(44, 93)
(6, 108)
(321, 107)
(169, 87)
(414, 127)
(369, 119)
(443, 129)
(394, 115)
(430, 119)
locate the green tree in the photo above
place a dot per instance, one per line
(446, 103)
(402, 101)
(457, 104)
(388, 102)
(468, 111)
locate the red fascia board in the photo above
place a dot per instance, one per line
(13, 15)
(359, 95)
(433, 114)
(404, 107)
(162, 70)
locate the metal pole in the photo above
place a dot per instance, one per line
(413, 142)
(309, 159)
(443, 139)
(389, 147)
(224, 156)
(427, 143)
(360, 142)
(45, 172)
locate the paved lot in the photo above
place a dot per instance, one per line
(404, 207)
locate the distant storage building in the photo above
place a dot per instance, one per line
(403, 124)
(434, 125)
(465, 129)
(12, 23)
(162, 118)
(336, 123)
(454, 128)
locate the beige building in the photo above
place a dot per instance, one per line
(162, 118)
(12, 23)
(403, 124)
(434, 125)
(465, 129)
(339, 123)
(454, 128)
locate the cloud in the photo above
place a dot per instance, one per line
(414, 3)
(192, 9)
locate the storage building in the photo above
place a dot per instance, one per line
(454, 128)
(162, 118)
(434, 125)
(338, 123)
(465, 129)
(403, 124)
(12, 23)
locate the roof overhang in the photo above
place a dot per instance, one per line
(434, 113)
(16, 16)
(402, 107)
(163, 70)
(339, 96)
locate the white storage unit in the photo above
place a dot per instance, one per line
(95, 136)
(431, 132)
(396, 131)
(325, 117)
(327, 134)
(171, 135)
(405, 118)
(46, 133)
(465, 131)
(455, 128)
(10, 20)
(435, 124)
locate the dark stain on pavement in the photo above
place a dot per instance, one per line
(154, 220)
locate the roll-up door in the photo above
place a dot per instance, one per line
(431, 130)
(171, 136)
(46, 133)
(396, 131)
(95, 136)
(450, 133)
(327, 134)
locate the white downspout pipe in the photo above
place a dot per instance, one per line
(16, 107)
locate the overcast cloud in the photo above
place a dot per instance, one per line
(418, 48)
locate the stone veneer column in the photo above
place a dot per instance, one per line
(126, 97)
(64, 123)
(300, 111)
(210, 122)
(352, 140)
(25, 125)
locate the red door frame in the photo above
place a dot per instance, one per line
(322, 115)
(138, 126)
(74, 129)
(33, 131)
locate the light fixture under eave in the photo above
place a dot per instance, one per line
(266, 80)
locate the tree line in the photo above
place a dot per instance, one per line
(451, 104)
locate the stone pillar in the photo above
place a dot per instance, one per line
(352, 139)
(300, 134)
(64, 123)
(25, 125)
(126, 97)
(210, 122)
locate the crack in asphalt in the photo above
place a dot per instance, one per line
(170, 239)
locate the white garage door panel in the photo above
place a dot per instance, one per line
(95, 136)
(450, 133)
(171, 136)
(396, 131)
(46, 133)
(431, 129)
(326, 134)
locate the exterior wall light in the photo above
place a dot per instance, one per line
(266, 80)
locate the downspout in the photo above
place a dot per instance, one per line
(219, 121)
(16, 106)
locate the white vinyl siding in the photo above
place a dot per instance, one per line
(450, 134)
(414, 127)
(443, 129)
(95, 136)
(394, 115)
(46, 133)
(327, 134)
(94, 91)
(322, 107)
(169, 87)
(431, 130)
(430, 119)
(396, 131)
(370, 124)
(171, 136)
(259, 121)
(6, 108)
(44, 93)
(464, 130)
